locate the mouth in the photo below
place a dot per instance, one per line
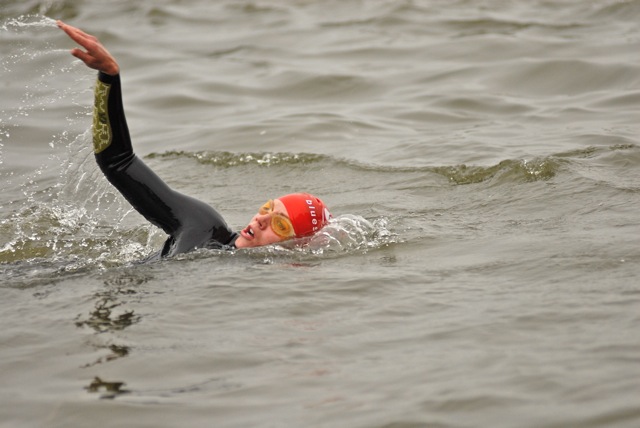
(248, 233)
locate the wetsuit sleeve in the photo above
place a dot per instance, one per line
(190, 222)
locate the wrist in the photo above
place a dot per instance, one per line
(106, 77)
(111, 70)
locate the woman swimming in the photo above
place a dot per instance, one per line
(190, 223)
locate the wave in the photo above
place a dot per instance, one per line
(229, 159)
(81, 224)
(510, 170)
(566, 76)
(32, 12)
(616, 10)
(478, 26)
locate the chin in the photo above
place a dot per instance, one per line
(243, 243)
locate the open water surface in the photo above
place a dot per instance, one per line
(482, 160)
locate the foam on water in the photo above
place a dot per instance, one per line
(27, 22)
(63, 216)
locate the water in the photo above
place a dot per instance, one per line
(481, 159)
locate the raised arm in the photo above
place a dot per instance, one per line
(189, 222)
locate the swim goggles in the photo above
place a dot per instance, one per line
(280, 224)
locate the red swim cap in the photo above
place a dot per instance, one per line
(306, 212)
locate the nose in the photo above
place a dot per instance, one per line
(263, 220)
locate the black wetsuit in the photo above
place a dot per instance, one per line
(190, 223)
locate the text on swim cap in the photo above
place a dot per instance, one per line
(312, 212)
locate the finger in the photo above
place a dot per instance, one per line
(71, 32)
(77, 35)
(83, 56)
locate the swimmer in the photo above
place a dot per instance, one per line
(190, 223)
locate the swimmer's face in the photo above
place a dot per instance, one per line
(270, 225)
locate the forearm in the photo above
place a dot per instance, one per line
(111, 137)
(142, 188)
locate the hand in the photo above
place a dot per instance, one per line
(96, 56)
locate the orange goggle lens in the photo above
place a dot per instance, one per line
(280, 224)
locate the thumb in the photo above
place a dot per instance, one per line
(82, 56)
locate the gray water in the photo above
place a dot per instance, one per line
(481, 158)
